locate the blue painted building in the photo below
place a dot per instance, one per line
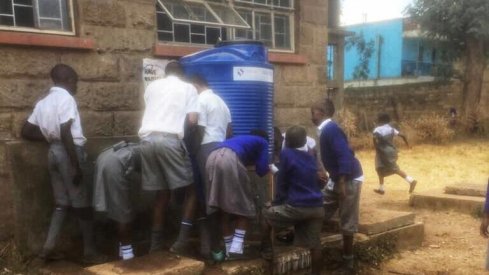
(399, 50)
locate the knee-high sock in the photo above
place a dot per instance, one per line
(205, 236)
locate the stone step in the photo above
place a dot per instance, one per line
(463, 204)
(376, 221)
(289, 259)
(159, 263)
(475, 190)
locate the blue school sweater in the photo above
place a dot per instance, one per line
(337, 156)
(251, 150)
(297, 183)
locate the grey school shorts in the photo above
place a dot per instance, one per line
(61, 171)
(348, 210)
(307, 222)
(165, 163)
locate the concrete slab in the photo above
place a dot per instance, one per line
(407, 237)
(463, 189)
(160, 263)
(62, 268)
(462, 204)
(376, 221)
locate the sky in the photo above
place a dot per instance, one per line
(355, 11)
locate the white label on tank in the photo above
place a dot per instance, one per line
(252, 74)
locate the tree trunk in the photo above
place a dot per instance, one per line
(474, 74)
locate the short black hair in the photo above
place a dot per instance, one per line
(198, 79)
(329, 108)
(174, 68)
(295, 137)
(383, 118)
(260, 133)
(62, 73)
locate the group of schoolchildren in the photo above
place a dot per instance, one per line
(186, 143)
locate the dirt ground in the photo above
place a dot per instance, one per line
(452, 242)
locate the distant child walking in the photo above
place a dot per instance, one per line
(386, 153)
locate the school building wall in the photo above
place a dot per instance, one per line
(113, 36)
(391, 49)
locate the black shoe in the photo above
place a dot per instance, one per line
(378, 191)
(179, 248)
(236, 257)
(50, 255)
(95, 258)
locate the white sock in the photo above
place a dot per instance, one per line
(126, 251)
(409, 179)
(381, 187)
(227, 242)
(238, 240)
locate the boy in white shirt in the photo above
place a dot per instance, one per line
(55, 119)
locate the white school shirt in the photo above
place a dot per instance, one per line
(386, 130)
(214, 116)
(330, 184)
(58, 107)
(310, 142)
(168, 101)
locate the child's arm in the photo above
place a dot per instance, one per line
(32, 132)
(404, 138)
(67, 140)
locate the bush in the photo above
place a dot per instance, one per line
(431, 128)
(348, 122)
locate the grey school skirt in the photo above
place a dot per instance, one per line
(228, 185)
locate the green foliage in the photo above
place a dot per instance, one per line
(453, 20)
(365, 50)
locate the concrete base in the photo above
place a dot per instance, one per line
(475, 190)
(379, 220)
(161, 263)
(462, 204)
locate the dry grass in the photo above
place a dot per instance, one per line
(452, 244)
(435, 166)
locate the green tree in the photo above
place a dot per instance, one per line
(465, 26)
(365, 51)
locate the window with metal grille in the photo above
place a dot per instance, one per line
(51, 16)
(207, 21)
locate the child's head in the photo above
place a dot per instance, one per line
(321, 111)
(199, 82)
(295, 137)
(383, 118)
(65, 76)
(260, 133)
(174, 68)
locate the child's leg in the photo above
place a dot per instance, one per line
(55, 226)
(125, 249)
(189, 208)
(227, 230)
(316, 261)
(159, 210)
(239, 235)
(380, 190)
(412, 182)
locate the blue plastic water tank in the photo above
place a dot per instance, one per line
(240, 74)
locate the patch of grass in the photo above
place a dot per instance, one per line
(374, 252)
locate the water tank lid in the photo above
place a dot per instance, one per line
(238, 42)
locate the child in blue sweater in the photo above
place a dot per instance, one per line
(298, 200)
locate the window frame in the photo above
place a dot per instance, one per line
(71, 21)
(260, 8)
(219, 23)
